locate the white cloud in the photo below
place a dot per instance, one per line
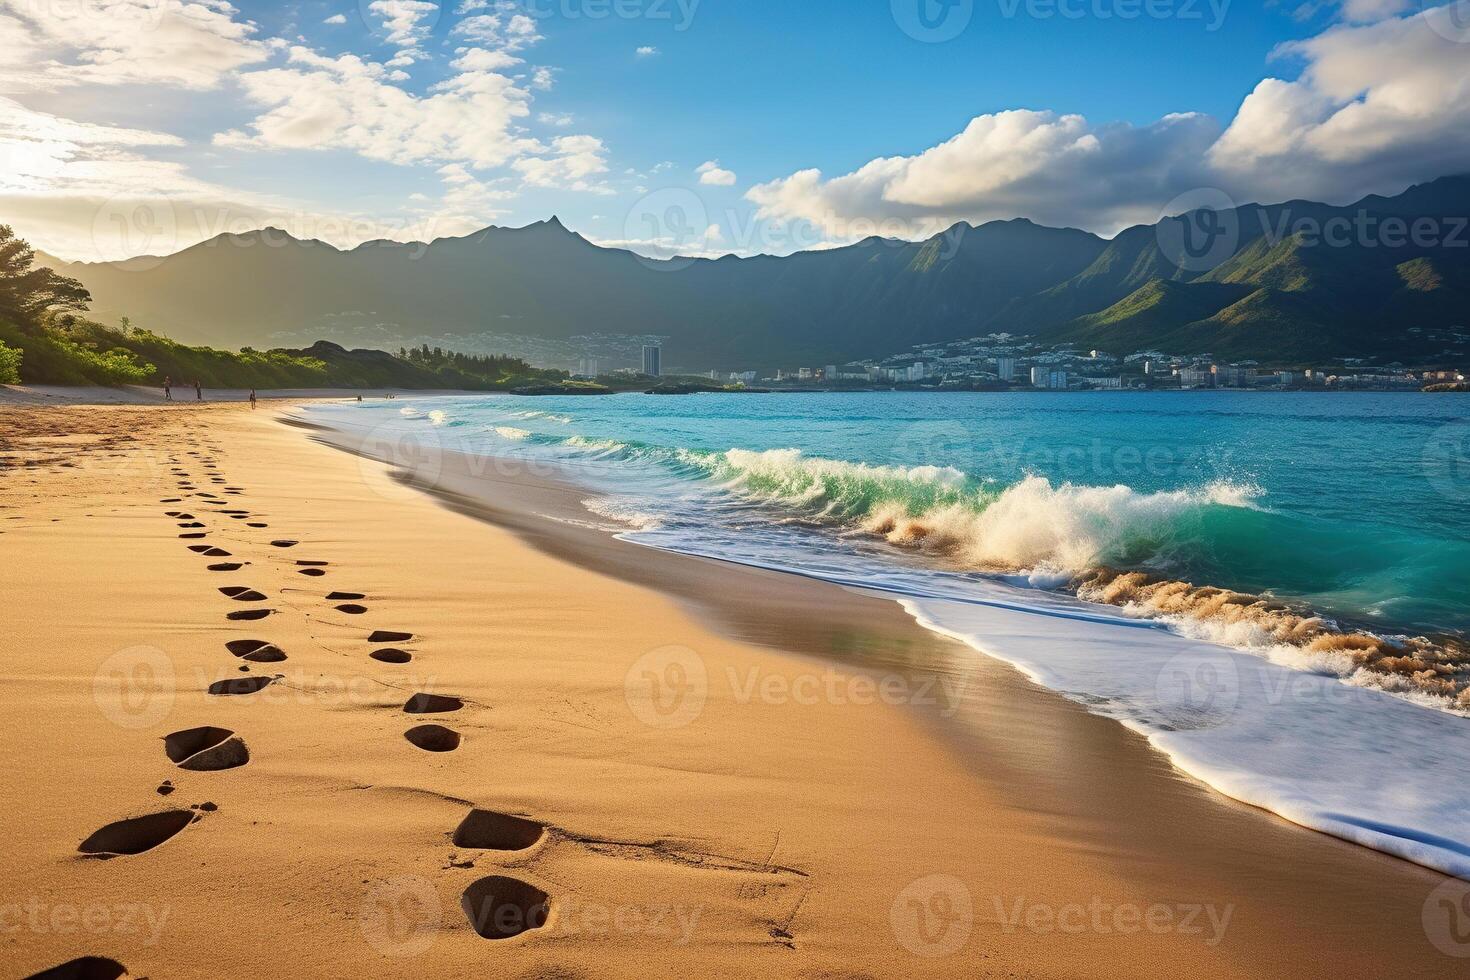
(557, 119)
(336, 19)
(346, 103)
(405, 24)
(1377, 107)
(710, 172)
(168, 42)
(1057, 170)
(513, 33)
(572, 160)
(647, 51)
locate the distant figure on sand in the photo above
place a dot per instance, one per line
(198, 392)
(168, 389)
(252, 399)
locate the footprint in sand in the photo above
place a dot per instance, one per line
(433, 738)
(248, 615)
(284, 543)
(431, 704)
(256, 651)
(389, 655)
(313, 572)
(209, 551)
(191, 524)
(227, 566)
(241, 593)
(136, 835)
(491, 831)
(240, 686)
(256, 524)
(389, 636)
(206, 749)
(193, 534)
(500, 907)
(84, 968)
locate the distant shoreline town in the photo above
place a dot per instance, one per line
(1000, 361)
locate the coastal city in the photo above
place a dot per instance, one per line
(1001, 361)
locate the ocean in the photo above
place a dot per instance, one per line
(1273, 587)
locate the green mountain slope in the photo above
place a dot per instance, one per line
(1275, 287)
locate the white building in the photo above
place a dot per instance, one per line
(1005, 368)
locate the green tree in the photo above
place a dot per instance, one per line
(9, 365)
(29, 292)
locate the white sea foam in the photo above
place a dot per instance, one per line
(1335, 757)
(438, 416)
(623, 511)
(512, 433)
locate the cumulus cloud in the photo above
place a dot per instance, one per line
(1055, 169)
(405, 24)
(1376, 107)
(711, 173)
(646, 51)
(117, 42)
(572, 164)
(512, 33)
(347, 103)
(336, 19)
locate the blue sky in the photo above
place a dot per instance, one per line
(764, 126)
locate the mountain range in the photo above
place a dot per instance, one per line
(1297, 281)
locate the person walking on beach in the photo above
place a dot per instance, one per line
(252, 399)
(168, 389)
(198, 392)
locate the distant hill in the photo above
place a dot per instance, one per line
(1271, 294)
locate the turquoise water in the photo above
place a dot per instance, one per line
(981, 512)
(1354, 505)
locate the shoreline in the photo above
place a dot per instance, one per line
(803, 832)
(560, 530)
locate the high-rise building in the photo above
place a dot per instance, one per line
(587, 367)
(651, 361)
(1005, 367)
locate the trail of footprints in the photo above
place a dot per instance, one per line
(496, 906)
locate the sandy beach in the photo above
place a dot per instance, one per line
(376, 728)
